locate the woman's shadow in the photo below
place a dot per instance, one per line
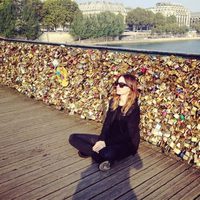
(112, 184)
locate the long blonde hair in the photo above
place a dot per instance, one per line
(133, 94)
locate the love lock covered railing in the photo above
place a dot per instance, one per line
(79, 80)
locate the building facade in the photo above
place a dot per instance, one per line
(96, 7)
(180, 12)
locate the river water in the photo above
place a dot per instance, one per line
(186, 46)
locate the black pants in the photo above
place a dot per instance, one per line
(85, 142)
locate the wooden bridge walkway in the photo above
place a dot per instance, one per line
(37, 162)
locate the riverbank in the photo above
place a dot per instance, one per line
(130, 37)
(144, 40)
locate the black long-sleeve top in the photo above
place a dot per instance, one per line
(120, 129)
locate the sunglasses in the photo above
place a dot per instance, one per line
(121, 85)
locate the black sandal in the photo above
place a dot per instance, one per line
(105, 166)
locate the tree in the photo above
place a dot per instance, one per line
(196, 26)
(29, 20)
(59, 13)
(133, 18)
(171, 19)
(19, 18)
(118, 25)
(88, 28)
(77, 26)
(183, 29)
(159, 20)
(149, 19)
(105, 24)
(167, 25)
(7, 19)
(139, 18)
(70, 9)
(110, 25)
(105, 20)
(158, 29)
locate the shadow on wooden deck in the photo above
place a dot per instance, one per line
(37, 161)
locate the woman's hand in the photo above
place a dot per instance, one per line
(98, 146)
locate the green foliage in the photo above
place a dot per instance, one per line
(7, 19)
(20, 18)
(196, 26)
(38, 9)
(29, 21)
(167, 25)
(77, 26)
(59, 13)
(119, 25)
(171, 19)
(159, 20)
(172, 29)
(182, 30)
(105, 24)
(139, 18)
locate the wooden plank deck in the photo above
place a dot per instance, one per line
(37, 161)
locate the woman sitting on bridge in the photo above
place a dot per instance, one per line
(120, 136)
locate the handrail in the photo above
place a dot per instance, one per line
(98, 47)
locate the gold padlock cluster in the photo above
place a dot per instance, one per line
(80, 81)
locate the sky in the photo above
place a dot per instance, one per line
(192, 5)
